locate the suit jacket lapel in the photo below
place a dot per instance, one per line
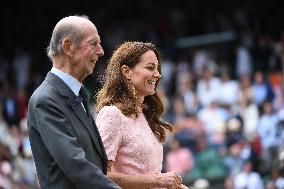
(104, 155)
(88, 124)
(78, 110)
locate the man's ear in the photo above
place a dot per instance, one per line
(126, 71)
(68, 46)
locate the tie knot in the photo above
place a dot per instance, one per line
(79, 99)
(83, 92)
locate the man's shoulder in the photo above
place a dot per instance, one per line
(43, 92)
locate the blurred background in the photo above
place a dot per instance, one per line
(222, 82)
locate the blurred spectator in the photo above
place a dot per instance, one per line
(189, 130)
(233, 130)
(201, 184)
(200, 61)
(5, 171)
(278, 57)
(267, 130)
(10, 110)
(21, 65)
(25, 162)
(208, 163)
(168, 70)
(249, 153)
(275, 78)
(179, 159)
(229, 183)
(280, 177)
(185, 90)
(178, 109)
(278, 101)
(270, 185)
(280, 129)
(247, 179)
(13, 139)
(245, 89)
(3, 127)
(233, 160)
(22, 102)
(250, 115)
(187, 138)
(207, 87)
(213, 118)
(228, 90)
(261, 89)
(243, 61)
(246, 108)
(280, 180)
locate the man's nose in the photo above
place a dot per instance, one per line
(100, 51)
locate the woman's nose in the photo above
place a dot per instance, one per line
(157, 74)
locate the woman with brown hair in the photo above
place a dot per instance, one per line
(128, 119)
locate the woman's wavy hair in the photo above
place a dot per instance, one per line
(118, 91)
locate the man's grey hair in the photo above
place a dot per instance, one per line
(65, 28)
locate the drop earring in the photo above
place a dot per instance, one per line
(133, 90)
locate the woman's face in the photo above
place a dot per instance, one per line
(145, 74)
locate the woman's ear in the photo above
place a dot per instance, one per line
(126, 71)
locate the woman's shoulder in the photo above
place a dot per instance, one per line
(111, 111)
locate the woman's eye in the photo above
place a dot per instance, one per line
(150, 68)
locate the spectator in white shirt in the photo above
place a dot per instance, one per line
(247, 179)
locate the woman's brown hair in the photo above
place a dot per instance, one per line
(118, 91)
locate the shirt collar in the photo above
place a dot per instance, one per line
(72, 83)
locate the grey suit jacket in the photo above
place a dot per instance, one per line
(66, 145)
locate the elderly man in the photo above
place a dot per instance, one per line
(66, 145)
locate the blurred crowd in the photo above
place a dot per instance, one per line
(225, 130)
(225, 100)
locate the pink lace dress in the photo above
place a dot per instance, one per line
(129, 142)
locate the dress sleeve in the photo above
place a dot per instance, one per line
(110, 125)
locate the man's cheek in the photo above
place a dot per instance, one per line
(87, 52)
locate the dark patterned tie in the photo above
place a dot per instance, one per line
(84, 96)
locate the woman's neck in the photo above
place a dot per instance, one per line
(139, 102)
